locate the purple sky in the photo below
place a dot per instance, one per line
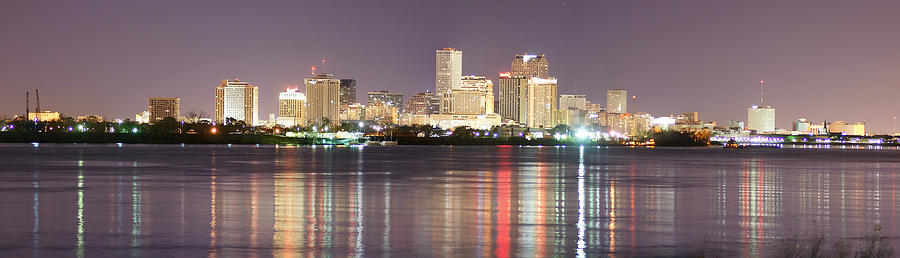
(822, 59)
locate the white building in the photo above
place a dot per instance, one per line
(572, 102)
(448, 70)
(238, 100)
(475, 97)
(617, 101)
(761, 119)
(542, 102)
(291, 108)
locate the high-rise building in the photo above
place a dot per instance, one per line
(542, 102)
(448, 70)
(761, 118)
(323, 97)
(291, 108)
(475, 97)
(348, 91)
(423, 103)
(513, 96)
(160, 108)
(617, 101)
(530, 66)
(238, 100)
(572, 102)
(392, 99)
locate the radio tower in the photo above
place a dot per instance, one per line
(761, 94)
(323, 65)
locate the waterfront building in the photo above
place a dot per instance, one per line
(142, 117)
(761, 119)
(617, 101)
(530, 66)
(392, 99)
(238, 100)
(43, 116)
(570, 101)
(452, 121)
(736, 125)
(474, 97)
(90, 118)
(160, 108)
(291, 108)
(596, 114)
(542, 102)
(323, 99)
(513, 97)
(382, 113)
(353, 112)
(423, 103)
(841, 127)
(448, 70)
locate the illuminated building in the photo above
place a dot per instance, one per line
(354, 111)
(530, 66)
(142, 117)
(736, 125)
(90, 118)
(617, 101)
(382, 113)
(160, 108)
(407, 118)
(451, 121)
(761, 119)
(570, 117)
(348, 91)
(542, 102)
(323, 99)
(291, 108)
(513, 97)
(42, 116)
(238, 100)
(387, 98)
(841, 127)
(575, 102)
(475, 97)
(596, 114)
(448, 70)
(423, 103)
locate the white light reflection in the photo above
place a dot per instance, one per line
(581, 223)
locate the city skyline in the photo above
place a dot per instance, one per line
(673, 63)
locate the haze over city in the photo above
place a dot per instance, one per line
(822, 60)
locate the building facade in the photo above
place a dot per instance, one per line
(238, 100)
(761, 119)
(392, 99)
(573, 102)
(474, 97)
(513, 97)
(423, 103)
(617, 101)
(348, 91)
(291, 108)
(448, 70)
(160, 108)
(542, 103)
(323, 97)
(530, 66)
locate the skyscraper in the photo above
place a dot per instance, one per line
(616, 101)
(530, 66)
(761, 118)
(448, 70)
(572, 102)
(542, 102)
(238, 100)
(160, 108)
(323, 99)
(513, 97)
(291, 108)
(423, 103)
(348, 91)
(475, 97)
(393, 99)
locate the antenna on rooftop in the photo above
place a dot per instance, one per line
(323, 65)
(37, 95)
(27, 107)
(762, 83)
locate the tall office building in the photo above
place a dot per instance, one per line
(617, 101)
(761, 118)
(572, 102)
(348, 91)
(448, 70)
(475, 97)
(542, 102)
(530, 66)
(423, 103)
(392, 99)
(238, 100)
(323, 97)
(291, 108)
(513, 96)
(160, 108)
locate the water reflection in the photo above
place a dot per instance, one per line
(434, 201)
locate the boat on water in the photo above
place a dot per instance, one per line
(732, 144)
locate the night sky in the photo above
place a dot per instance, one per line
(822, 59)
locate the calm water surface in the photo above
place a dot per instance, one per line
(219, 201)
